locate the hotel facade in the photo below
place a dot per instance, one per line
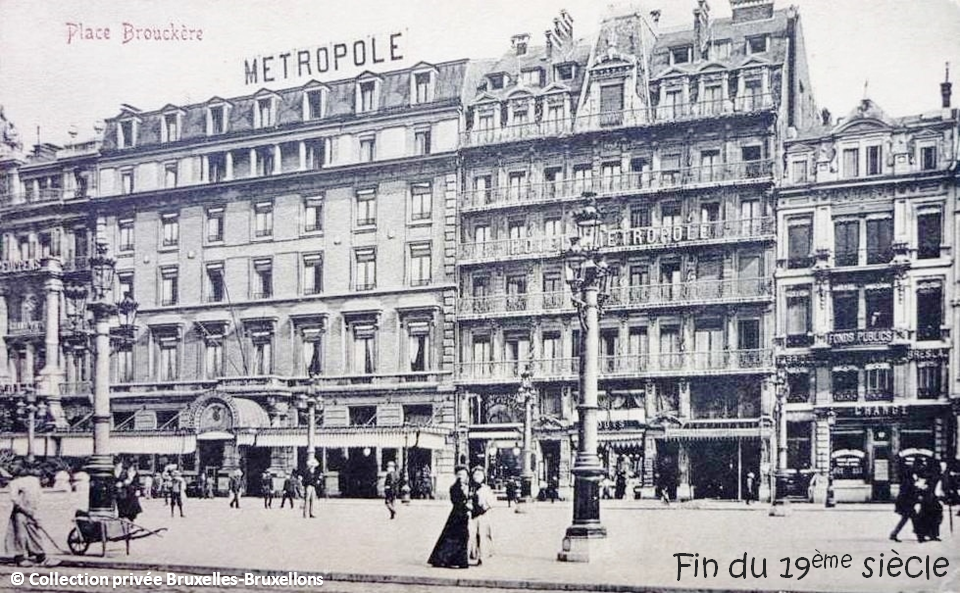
(392, 245)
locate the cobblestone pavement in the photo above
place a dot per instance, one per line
(355, 537)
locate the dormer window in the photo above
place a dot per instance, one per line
(171, 127)
(680, 54)
(313, 104)
(266, 113)
(127, 133)
(719, 50)
(367, 96)
(422, 87)
(532, 77)
(566, 71)
(496, 81)
(216, 120)
(757, 44)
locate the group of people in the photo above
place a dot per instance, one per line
(307, 485)
(466, 536)
(923, 491)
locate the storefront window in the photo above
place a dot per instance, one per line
(847, 455)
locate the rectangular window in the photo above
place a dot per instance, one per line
(124, 284)
(418, 346)
(312, 214)
(215, 224)
(756, 45)
(928, 158)
(421, 142)
(879, 307)
(639, 217)
(263, 219)
(216, 289)
(879, 240)
(483, 189)
(263, 278)
(126, 181)
(532, 77)
(481, 233)
(421, 83)
(217, 167)
(680, 55)
(851, 163)
(798, 313)
(170, 126)
(420, 264)
(367, 96)
(262, 359)
(213, 357)
(517, 185)
(485, 121)
(799, 171)
(125, 239)
(799, 242)
(364, 355)
(170, 175)
(929, 310)
(217, 120)
(879, 380)
(312, 274)
(365, 277)
(611, 98)
(846, 309)
(127, 137)
(929, 379)
(846, 242)
(314, 104)
(169, 286)
(874, 160)
(929, 234)
(368, 147)
(421, 201)
(798, 387)
(168, 357)
(363, 415)
(366, 208)
(124, 358)
(846, 384)
(311, 351)
(171, 230)
(720, 50)
(265, 111)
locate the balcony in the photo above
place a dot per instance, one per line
(416, 380)
(43, 196)
(846, 395)
(77, 389)
(625, 366)
(25, 328)
(625, 118)
(621, 240)
(866, 337)
(509, 304)
(871, 257)
(690, 293)
(799, 340)
(633, 183)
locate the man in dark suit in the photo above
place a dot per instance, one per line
(289, 490)
(311, 485)
(391, 486)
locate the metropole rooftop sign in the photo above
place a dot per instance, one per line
(334, 60)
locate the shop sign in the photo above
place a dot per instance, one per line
(11, 267)
(614, 425)
(856, 337)
(873, 411)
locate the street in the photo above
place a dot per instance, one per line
(355, 537)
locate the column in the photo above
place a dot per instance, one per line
(51, 375)
(228, 157)
(4, 357)
(303, 155)
(28, 354)
(277, 159)
(204, 168)
(253, 162)
(684, 398)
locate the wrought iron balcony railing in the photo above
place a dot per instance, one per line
(634, 182)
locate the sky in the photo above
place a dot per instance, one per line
(898, 47)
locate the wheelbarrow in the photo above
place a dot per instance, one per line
(88, 530)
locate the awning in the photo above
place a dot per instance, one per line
(131, 444)
(495, 434)
(712, 434)
(379, 437)
(621, 441)
(215, 435)
(287, 439)
(251, 414)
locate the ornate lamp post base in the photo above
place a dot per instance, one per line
(582, 537)
(102, 486)
(779, 506)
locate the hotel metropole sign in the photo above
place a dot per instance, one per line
(340, 59)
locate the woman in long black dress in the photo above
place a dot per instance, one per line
(451, 550)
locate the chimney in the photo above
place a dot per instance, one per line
(751, 10)
(519, 43)
(549, 35)
(567, 22)
(946, 88)
(701, 28)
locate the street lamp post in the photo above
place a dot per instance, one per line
(525, 396)
(100, 467)
(586, 273)
(28, 408)
(310, 401)
(831, 500)
(779, 506)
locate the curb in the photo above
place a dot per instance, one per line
(412, 580)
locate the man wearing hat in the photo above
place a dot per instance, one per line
(391, 484)
(178, 486)
(311, 483)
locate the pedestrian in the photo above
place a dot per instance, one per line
(751, 487)
(266, 489)
(178, 486)
(928, 512)
(165, 485)
(511, 492)
(128, 503)
(426, 484)
(236, 485)
(289, 490)
(22, 541)
(621, 487)
(452, 547)
(391, 484)
(148, 486)
(946, 490)
(481, 536)
(903, 505)
(311, 481)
